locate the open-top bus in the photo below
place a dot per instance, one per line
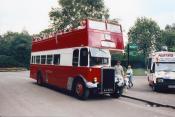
(79, 60)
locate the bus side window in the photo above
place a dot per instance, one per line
(31, 60)
(38, 59)
(84, 57)
(49, 59)
(56, 60)
(75, 57)
(43, 59)
(34, 59)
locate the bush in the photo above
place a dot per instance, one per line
(15, 49)
(7, 61)
(136, 61)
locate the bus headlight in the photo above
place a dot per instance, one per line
(159, 80)
(95, 80)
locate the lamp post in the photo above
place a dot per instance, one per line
(128, 54)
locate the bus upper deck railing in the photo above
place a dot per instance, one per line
(83, 25)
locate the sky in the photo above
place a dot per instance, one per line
(32, 15)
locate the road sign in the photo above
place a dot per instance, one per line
(133, 46)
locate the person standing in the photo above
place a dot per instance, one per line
(129, 73)
(119, 69)
(119, 74)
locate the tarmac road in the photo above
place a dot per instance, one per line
(142, 90)
(21, 96)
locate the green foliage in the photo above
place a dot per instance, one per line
(136, 60)
(15, 49)
(146, 34)
(139, 72)
(168, 36)
(170, 28)
(71, 12)
(46, 32)
(7, 61)
(118, 57)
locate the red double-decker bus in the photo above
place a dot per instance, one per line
(79, 60)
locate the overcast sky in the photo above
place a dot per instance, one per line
(32, 15)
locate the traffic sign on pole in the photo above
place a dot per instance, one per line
(133, 46)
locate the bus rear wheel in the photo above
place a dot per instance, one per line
(39, 79)
(80, 90)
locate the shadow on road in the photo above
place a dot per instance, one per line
(167, 92)
(68, 93)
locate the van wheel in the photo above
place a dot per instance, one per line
(39, 79)
(80, 90)
(155, 88)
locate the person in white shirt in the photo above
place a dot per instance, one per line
(119, 69)
(129, 73)
(119, 73)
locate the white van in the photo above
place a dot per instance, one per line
(161, 70)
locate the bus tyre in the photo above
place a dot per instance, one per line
(39, 79)
(118, 93)
(80, 90)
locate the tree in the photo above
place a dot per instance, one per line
(168, 37)
(146, 34)
(170, 28)
(21, 49)
(71, 12)
(46, 32)
(15, 49)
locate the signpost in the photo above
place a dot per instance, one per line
(133, 47)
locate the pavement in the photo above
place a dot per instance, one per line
(21, 96)
(143, 91)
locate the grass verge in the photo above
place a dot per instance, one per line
(14, 69)
(139, 72)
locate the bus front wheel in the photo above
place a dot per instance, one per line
(80, 90)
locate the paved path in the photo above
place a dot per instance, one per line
(21, 96)
(142, 90)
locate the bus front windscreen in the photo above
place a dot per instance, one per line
(98, 61)
(168, 67)
(99, 56)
